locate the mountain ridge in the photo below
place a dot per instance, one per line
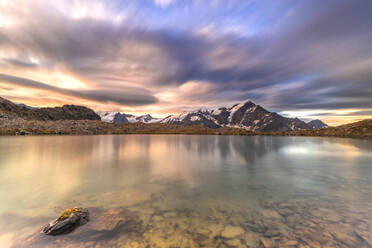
(245, 115)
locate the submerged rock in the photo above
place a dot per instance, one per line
(232, 231)
(267, 242)
(105, 229)
(69, 220)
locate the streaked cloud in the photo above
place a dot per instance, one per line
(294, 57)
(129, 96)
(163, 3)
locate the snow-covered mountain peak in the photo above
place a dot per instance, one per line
(117, 117)
(242, 115)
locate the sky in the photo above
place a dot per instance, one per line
(310, 59)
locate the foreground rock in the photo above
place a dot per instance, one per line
(69, 220)
(104, 229)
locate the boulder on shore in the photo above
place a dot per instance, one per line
(104, 229)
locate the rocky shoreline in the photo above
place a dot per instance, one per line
(18, 126)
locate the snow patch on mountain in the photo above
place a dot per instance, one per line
(117, 117)
(195, 118)
(233, 110)
(216, 111)
(107, 116)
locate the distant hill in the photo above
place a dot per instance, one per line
(9, 109)
(246, 115)
(360, 129)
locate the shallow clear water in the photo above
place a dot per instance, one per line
(188, 191)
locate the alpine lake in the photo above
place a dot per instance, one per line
(187, 191)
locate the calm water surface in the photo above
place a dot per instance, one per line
(188, 191)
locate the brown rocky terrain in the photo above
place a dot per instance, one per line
(9, 109)
(17, 126)
(360, 129)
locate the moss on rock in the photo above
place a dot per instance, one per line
(67, 212)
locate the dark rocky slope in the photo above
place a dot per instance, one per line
(9, 109)
(245, 115)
